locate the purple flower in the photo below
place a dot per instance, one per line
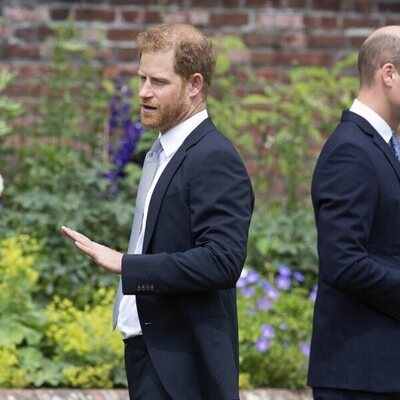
(248, 291)
(124, 133)
(283, 282)
(284, 270)
(252, 276)
(305, 348)
(269, 290)
(241, 283)
(283, 326)
(262, 344)
(267, 331)
(264, 303)
(313, 294)
(298, 276)
(250, 311)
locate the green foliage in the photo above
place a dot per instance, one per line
(278, 237)
(89, 353)
(9, 109)
(74, 104)
(293, 117)
(22, 321)
(58, 186)
(274, 334)
(61, 345)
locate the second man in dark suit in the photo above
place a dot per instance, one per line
(355, 349)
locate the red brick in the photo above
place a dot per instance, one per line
(204, 3)
(129, 2)
(262, 3)
(384, 6)
(360, 22)
(44, 32)
(119, 34)
(263, 58)
(94, 14)
(25, 89)
(105, 54)
(262, 39)
(356, 41)
(28, 34)
(363, 6)
(229, 18)
(331, 5)
(152, 17)
(297, 3)
(327, 41)
(132, 16)
(271, 73)
(60, 14)
(239, 57)
(21, 51)
(5, 30)
(128, 54)
(30, 70)
(304, 58)
(113, 71)
(294, 39)
(230, 3)
(311, 21)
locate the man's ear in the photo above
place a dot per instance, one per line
(196, 83)
(388, 71)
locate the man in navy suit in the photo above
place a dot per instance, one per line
(178, 310)
(355, 350)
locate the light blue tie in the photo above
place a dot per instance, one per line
(150, 166)
(396, 145)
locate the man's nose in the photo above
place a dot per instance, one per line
(145, 89)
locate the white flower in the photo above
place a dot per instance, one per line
(1, 185)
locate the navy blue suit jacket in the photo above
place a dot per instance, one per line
(194, 250)
(356, 197)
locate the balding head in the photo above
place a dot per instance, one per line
(193, 51)
(380, 48)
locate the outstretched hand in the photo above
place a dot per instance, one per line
(103, 256)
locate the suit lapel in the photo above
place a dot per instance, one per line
(375, 136)
(167, 175)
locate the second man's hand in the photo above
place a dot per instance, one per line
(103, 256)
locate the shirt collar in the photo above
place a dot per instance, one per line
(173, 138)
(380, 125)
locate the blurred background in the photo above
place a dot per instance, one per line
(71, 150)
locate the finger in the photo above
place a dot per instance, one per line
(87, 249)
(74, 235)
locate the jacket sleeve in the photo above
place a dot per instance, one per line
(345, 191)
(221, 203)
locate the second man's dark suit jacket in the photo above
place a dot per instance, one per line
(193, 253)
(356, 196)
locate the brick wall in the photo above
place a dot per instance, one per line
(277, 32)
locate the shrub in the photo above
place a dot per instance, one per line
(88, 352)
(274, 328)
(22, 321)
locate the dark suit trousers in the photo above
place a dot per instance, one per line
(143, 381)
(341, 394)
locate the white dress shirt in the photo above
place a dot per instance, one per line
(128, 319)
(380, 125)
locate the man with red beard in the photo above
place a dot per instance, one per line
(176, 303)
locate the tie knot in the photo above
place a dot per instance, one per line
(156, 149)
